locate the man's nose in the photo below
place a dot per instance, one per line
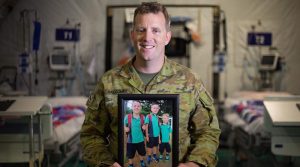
(147, 35)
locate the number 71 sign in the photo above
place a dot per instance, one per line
(67, 34)
(259, 38)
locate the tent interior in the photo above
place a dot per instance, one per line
(243, 51)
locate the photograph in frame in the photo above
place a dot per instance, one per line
(148, 115)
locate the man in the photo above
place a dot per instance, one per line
(134, 127)
(150, 72)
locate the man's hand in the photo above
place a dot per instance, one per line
(188, 164)
(116, 165)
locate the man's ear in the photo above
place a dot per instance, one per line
(131, 36)
(168, 37)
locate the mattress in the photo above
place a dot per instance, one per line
(65, 125)
(245, 109)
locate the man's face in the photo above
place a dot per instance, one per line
(155, 108)
(136, 107)
(149, 36)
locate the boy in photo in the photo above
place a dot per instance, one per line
(134, 127)
(165, 136)
(152, 133)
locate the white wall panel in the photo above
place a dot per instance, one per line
(277, 16)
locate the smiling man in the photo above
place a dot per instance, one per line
(151, 72)
(150, 34)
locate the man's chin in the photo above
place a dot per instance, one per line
(146, 57)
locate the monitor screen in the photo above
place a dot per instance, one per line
(268, 62)
(267, 59)
(60, 59)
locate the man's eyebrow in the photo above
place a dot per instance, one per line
(156, 28)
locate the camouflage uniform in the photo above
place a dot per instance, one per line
(198, 125)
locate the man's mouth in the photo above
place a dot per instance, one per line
(147, 46)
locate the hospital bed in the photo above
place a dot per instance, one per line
(68, 116)
(60, 121)
(245, 110)
(245, 113)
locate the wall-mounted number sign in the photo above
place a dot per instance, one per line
(259, 38)
(64, 34)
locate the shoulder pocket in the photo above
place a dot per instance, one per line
(206, 99)
(207, 102)
(93, 101)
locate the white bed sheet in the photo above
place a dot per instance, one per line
(64, 132)
(234, 119)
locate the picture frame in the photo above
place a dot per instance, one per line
(168, 109)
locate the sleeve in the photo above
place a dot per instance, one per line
(146, 120)
(205, 131)
(95, 130)
(126, 121)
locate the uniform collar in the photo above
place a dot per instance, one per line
(127, 71)
(167, 70)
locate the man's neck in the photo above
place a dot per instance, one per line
(148, 67)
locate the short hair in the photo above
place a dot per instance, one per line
(166, 114)
(154, 103)
(152, 7)
(135, 101)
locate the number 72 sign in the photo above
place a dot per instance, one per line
(259, 38)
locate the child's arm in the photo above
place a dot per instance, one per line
(126, 129)
(147, 135)
(170, 135)
(159, 136)
(159, 139)
(146, 128)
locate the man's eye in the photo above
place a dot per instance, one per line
(140, 30)
(156, 31)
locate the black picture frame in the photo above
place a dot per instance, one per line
(171, 102)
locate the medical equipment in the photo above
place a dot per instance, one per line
(5, 104)
(269, 62)
(24, 125)
(56, 142)
(282, 120)
(252, 136)
(60, 63)
(60, 59)
(24, 65)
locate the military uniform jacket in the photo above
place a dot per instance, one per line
(198, 125)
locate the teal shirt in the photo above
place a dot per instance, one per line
(136, 130)
(155, 125)
(165, 133)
